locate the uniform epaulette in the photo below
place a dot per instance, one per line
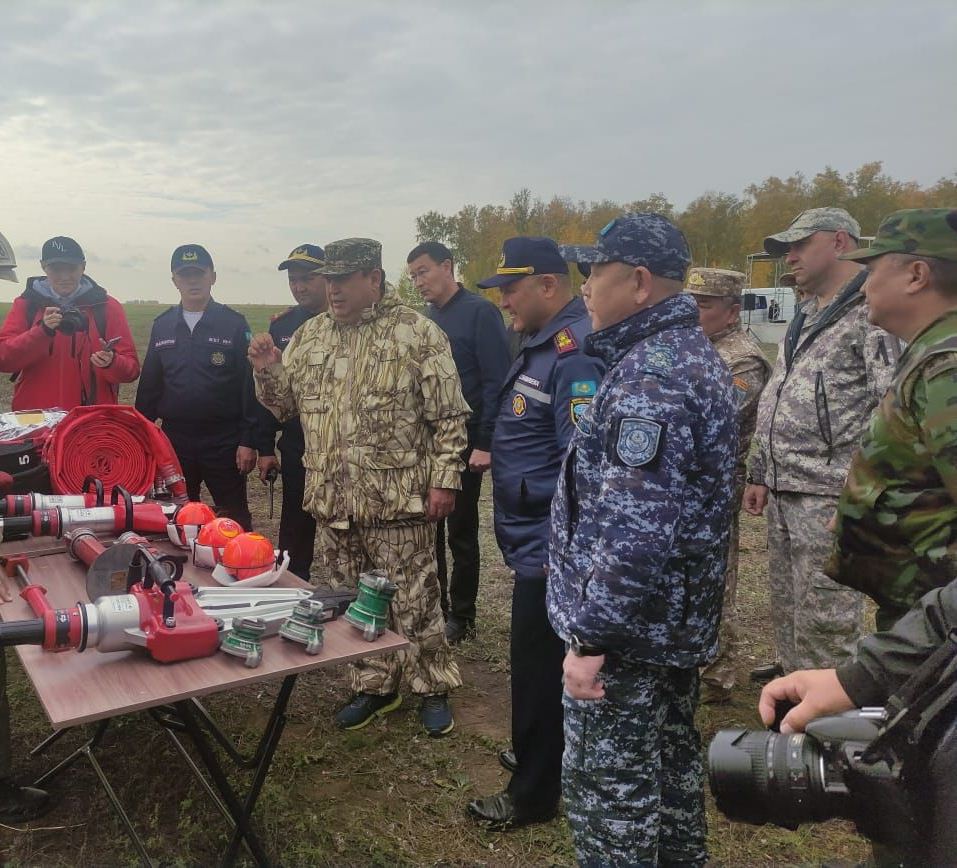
(281, 314)
(565, 341)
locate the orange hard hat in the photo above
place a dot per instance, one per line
(211, 541)
(189, 518)
(248, 555)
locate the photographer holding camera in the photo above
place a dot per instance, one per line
(66, 339)
(884, 662)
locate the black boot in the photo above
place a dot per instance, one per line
(21, 804)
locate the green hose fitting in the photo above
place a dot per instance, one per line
(245, 640)
(305, 626)
(370, 611)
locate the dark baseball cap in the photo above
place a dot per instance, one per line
(643, 239)
(308, 256)
(62, 249)
(190, 256)
(525, 255)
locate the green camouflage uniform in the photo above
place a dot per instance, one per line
(384, 421)
(749, 370)
(831, 371)
(897, 516)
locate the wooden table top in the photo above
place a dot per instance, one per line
(79, 687)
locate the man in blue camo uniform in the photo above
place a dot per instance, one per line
(640, 526)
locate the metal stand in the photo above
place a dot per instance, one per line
(190, 718)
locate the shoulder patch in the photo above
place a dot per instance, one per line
(565, 341)
(577, 408)
(660, 359)
(584, 388)
(638, 441)
(741, 383)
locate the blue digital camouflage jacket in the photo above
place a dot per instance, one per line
(641, 516)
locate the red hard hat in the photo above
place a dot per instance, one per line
(218, 532)
(248, 555)
(189, 518)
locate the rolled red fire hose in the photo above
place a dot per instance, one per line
(115, 444)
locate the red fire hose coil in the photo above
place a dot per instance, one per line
(117, 445)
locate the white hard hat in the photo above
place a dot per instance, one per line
(8, 262)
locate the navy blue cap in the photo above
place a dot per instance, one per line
(190, 256)
(62, 249)
(638, 239)
(523, 256)
(307, 256)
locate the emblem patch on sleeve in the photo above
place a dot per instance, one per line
(565, 341)
(585, 388)
(518, 405)
(638, 441)
(577, 408)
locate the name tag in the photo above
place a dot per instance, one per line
(221, 342)
(168, 342)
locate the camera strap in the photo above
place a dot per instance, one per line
(918, 704)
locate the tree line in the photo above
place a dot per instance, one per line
(721, 228)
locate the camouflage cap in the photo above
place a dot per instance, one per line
(719, 282)
(640, 239)
(920, 231)
(807, 223)
(351, 254)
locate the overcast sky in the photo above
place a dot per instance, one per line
(253, 127)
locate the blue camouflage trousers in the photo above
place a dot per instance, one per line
(632, 773)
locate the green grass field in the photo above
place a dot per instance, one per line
(386, 795)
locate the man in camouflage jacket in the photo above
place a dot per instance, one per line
(831, 370)
(384, 419)
(717, 293)
(897, 516)
(637, 554)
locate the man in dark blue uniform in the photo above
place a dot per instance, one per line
(640, 527)
(546, 392)
(297, 528)
(476, 333)
(196, 379)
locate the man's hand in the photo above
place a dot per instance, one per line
(263, 352)
(755, 498)
(245, 459)
(581, 676)
(265, 464)
(102, 358)
(439, 503)
(480, 461)
(815, 693)
(52, 317)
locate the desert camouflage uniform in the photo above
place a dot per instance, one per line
(830, 373)
(384, 421)
(749, 371)
(897, 516)
(637, 556)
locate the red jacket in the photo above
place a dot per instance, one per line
(56, 371)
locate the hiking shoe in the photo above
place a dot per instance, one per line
(767, 672)
(366, 707)
(22, 804)
(507, 760)
(436, 715)
(457, 630)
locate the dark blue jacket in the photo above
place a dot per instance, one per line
(291, 441)
(476, 333)
(200, 383)
(642, 513)
(548, 387)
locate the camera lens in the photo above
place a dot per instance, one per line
(769, 777)
(73, 321)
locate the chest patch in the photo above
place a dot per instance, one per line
(638, 441)
(218, 359)
(168, 342)
(525, 378)
(565, 342)
(519, 406)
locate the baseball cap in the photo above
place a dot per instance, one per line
(349, 255)
(717, 282)
(62, 249)
(190, 256)
(524, 255)
(807, 223)
(919, 231)
(308, 256)
(644, 239)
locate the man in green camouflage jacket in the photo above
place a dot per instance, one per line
(897, 516)
(383, 415)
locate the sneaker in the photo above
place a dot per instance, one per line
(456, 630)
(22, 804)
(366, 707)
(436, 715)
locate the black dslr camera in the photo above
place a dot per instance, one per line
(830, 770)
(74, 320)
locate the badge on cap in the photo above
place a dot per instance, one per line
(638, 441)
(696, 280)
